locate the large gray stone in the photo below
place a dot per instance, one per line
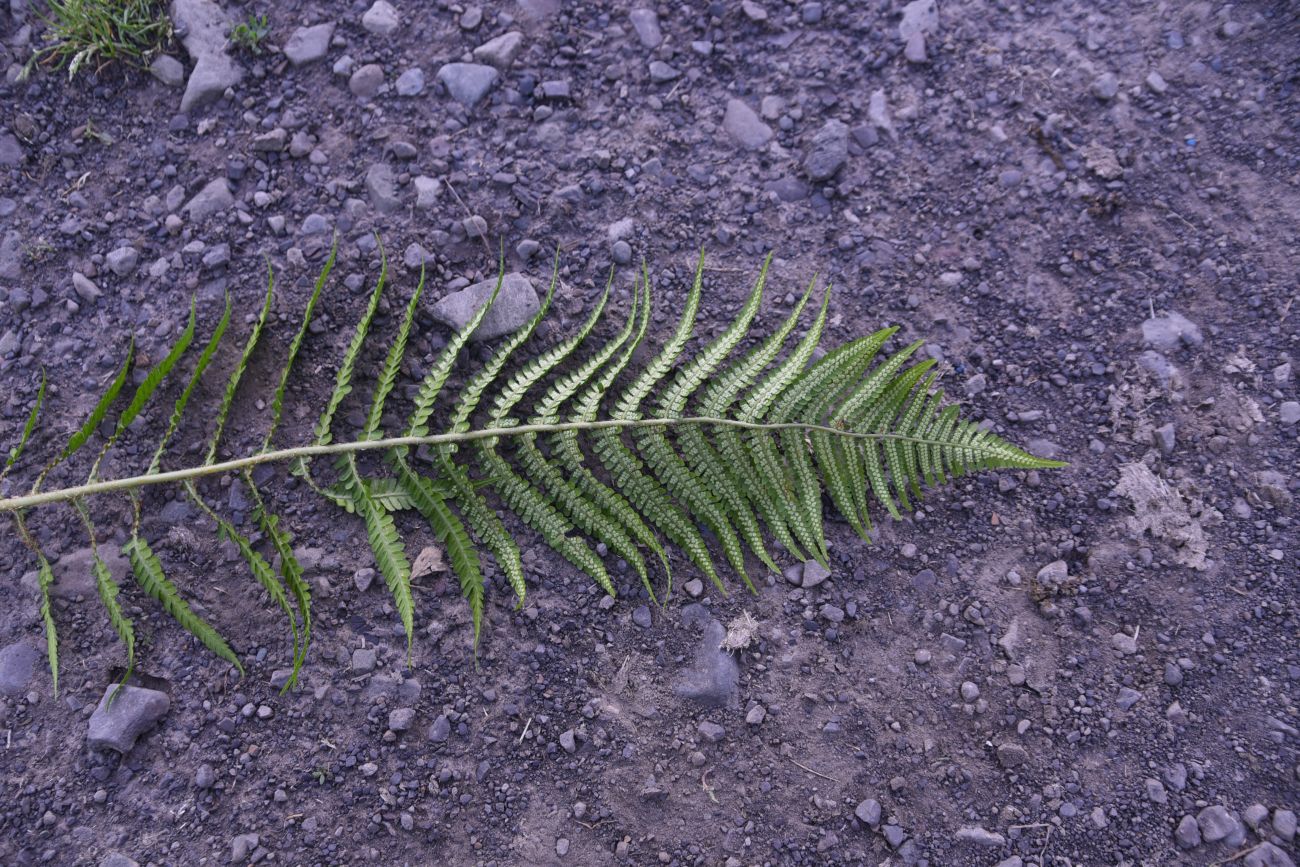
(467, 83)
(501, 51)
(515, 305)
(828, 151)
(1217, 822)
(17, 662)
(744, 126)
(73, 575)
(204, 26)
(213, 199)
(309, 44)
(117, 724)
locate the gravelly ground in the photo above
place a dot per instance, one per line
(1088, 211)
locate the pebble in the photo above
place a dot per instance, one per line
(711, 731)
(410, 82)
(813, 574)
(1012, 755)
(380, 19)
(1124, 643)
(878, 113)
(1165, 438)
(868, 812)
(205, 777)
(622, 252)
(828, 151)
(646, 24)
(1170, 331)
(756, 715)
(501, 51)
(1284, 824)
(117, 859)
(894, 836)
(569, 741)
(381, 186)
(1217, 823)
(133, 711)
(213, 199)
(1105, 86)
(914, 50)
(661, 72)
(364, 659)
(1289, 412)
(1156, 83)
(516, 303)
(468, 83)
(1188, 833)
(744, 126)
(641, 616)
(243, 846)
(440, 730)
(168, 70)
(980, 836)
(366, 81)
(309, 44)
(400, 719)
(204, 27)
(426, 191)
(919, 16)
(85, 287)
(471, 18)
(969, 691)
(694, 588)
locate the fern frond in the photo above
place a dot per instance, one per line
(149, 575)
(236, 375)
(343, 378)
(28, 428)
(156, 375)
(96, 417)
(178, 411)
(388, 375)
(451, 534)
(107, 589)
(277, 402)
(390, 553)
(291, 572)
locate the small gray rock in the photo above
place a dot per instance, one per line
(711, 731)
(641, 616)
(168, 70)
(828, 151)
(213, 199)
(380, 19)
(468, 83)
(516, 303)
(661, 72)
(381, 186)
(1255, 816)
(11, 152)
(1289, 412)
(712, 678)
(1267, 855)
(1217, 822)
(366, 81)
(204, 24)
(569, 741)
(914, 50)
(1188, 833)
(894, 836)
(440, 730)
(117, 859)
(1165, 438)
(501, 51)
(979, 836)
(878, 114)
(133, 711)
(1155, 790)
(969, 691)
(243, 846)
(309, 44)
(85, 287)
(1127, 698)
(622, 252)
(1284, 824)
(813, 574)
(646, 24)
(17, 662)
(400, 719)
(205, 777)
(744, 126)
(364, 659)
(122, 261)
(919, 16)
(209, 80)
(868, 812)
(410, 82)
(1012, 755)
(426, 192)
(1105, 86)
(756, 715)
(1168, 332)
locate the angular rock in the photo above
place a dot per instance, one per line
(980, 836)
(243, 846)
(878, 113)
(828, 151)
(713, 676)
(426, 191)
(1217, 822)
(309, 44)
(868, 812)
(122, 261)
(661, 72)
(440, 730)
(204, 25)
(381, 186)
(168, 70)
(366, 81)
(501, 51)
(467, 83)
(410, 82)
(1168, 332)
(744, 126)
(1188, 833)
(646, 24)
(400, 719)
(85, 287)
(813, 574)
(919, 16)
(381, 19)
(17, 662)
(117, 859)
(214, 198)
(134, 710)
(914, 50)
(1267, 855)
(516, 303)
(711, 731)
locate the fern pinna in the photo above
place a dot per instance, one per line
(712, 452)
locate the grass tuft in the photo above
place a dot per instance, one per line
(101, 33)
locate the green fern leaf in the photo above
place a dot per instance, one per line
(277, 402)
(343, 378)
(96, 416)
(149, 575)
(390, 553)
(388, 375)
(16, 452)
(232, 384)
(107, 589)
(178, 411)
(156, 375)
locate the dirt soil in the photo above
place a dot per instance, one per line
(1089, 213)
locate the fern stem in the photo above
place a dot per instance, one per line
(13, 504)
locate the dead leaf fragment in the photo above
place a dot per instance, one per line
(428, 561)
